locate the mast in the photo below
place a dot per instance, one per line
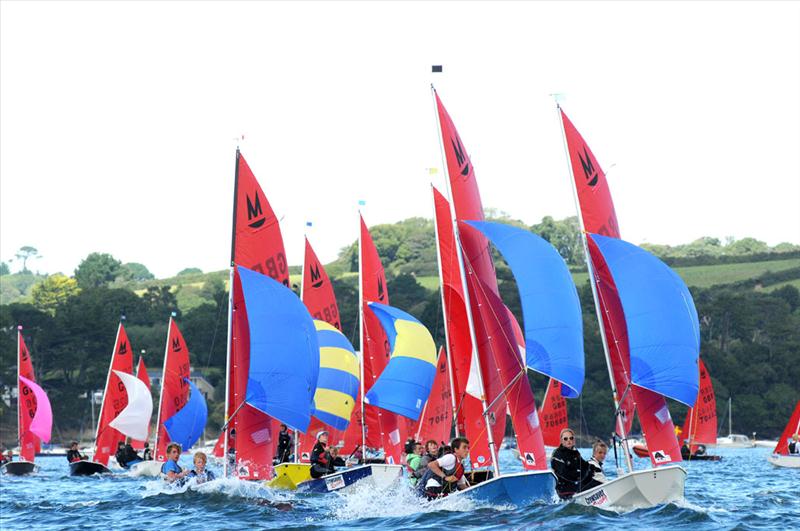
(19, 364)
(597, 302)
(163, 380)
(473, 338)
(302, 286)
(105, 389)
(444, 314)
(230, 322)
(730, 420)
(361, 342)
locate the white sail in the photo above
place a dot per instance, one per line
(134, 420)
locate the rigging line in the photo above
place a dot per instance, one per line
(214, 337)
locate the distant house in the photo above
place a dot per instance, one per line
(197, 378)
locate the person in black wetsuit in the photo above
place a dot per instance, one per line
(568, 465)
(284, 445)
(73, 454)
(147, 453)
(126, 455)
(321, 462)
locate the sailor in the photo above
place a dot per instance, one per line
(147, 453)
(171, 469)
(596, 476)
(336, 459)
(200, 472)
(73, 454)
(413, 462)
(568, 465)
(686, 451)
(284, 444)
(126, 455)
(321, 462)
(446, 473)
(3, 459)
(794, 447)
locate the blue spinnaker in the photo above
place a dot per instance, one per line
(186, 426)
(663, 329)
(405, 384)
(284, 352)
(551, 309)
(339, 377)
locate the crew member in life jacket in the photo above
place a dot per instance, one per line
(126, 456)
(568, 465)
(73, 454)
(284, 445)
(445, 474)
(321, 461)
(794, 446)
(596, 476)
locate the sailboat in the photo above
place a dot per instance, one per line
(273, 354)
(553, 414)
(182, 410)
(700, 426)
(781, 456)
(125, 412)
(34, 415)
(490, 370)
(734, 440)
(650, 334)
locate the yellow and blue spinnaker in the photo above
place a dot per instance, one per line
(405, 384)
(338, 382)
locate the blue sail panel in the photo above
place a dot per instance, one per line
(662, 323)
(551, 310)
(338, 383)
(284, 351)
(186, 426)
(405, 384)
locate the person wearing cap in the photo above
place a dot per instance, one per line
(321, 461)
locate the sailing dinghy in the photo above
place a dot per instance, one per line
(34, 415)
(182, 410)
(781, 456)
(125, 412)
(650, 335)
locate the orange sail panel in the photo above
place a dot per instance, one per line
(700, 426)
(792, 427)
(28, 441)
(257, 245)
(115, 398)
(141, 373)
(383, 428)
(436, 419)
(174, 389)
(553, 414)
(469, 410)
(599, 217)
(467, 203)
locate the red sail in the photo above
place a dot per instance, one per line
(383, 427)
(257, 245)
(700, 426)
(495, 324)
(28, 442)
(219, 447)
(319, 298)
(141, 373)
(467, 203)
(469, 411)
(115, 398)
(599, 217)
(791, 428)
(553, 414)
(174, 389)
(436, 419)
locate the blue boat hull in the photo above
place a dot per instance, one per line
(518, 489)
(336, 481)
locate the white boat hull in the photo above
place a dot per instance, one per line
(384, 475)
(146, 469)
(787, 461)
(637, 490)
(735, 441)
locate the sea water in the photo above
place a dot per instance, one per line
(743, 491)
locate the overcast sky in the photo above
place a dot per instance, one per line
(118, 120)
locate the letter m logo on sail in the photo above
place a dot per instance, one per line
(461, 156)
(316, 277)
(254, 210)
(588, 167)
